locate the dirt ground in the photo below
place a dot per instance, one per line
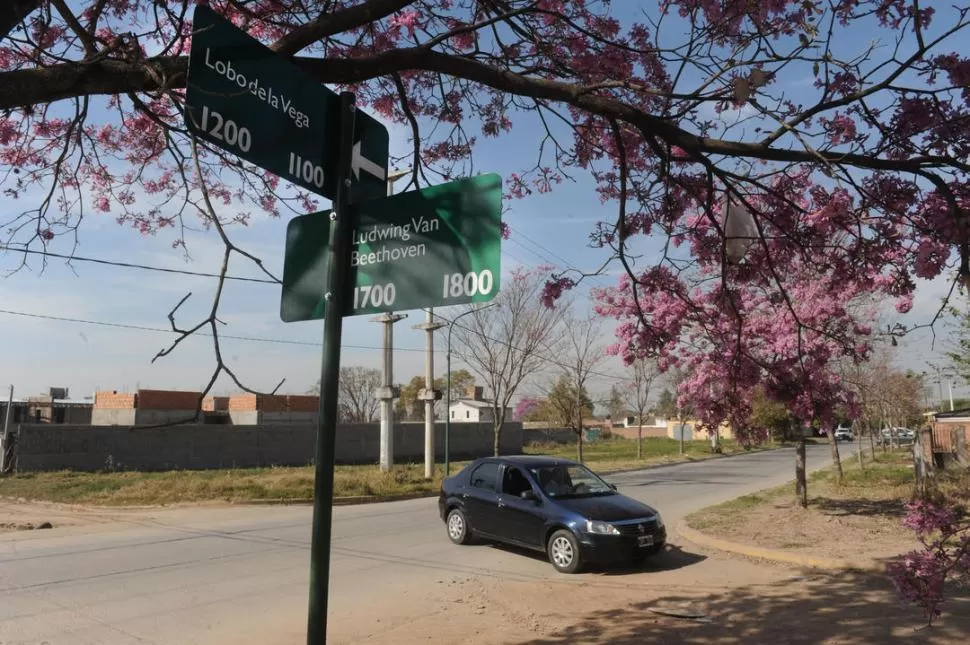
(718, 600)
(859, 521)
(830, 528)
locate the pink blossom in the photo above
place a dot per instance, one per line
(407, 20)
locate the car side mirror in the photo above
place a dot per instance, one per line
(529, 495)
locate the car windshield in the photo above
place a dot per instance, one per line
(570, 480)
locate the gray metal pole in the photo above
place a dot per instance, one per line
(448, 401)
(340, 244)
(451, 326)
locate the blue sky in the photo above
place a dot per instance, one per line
(38, 353)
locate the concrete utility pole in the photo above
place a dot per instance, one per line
(387, 393)
(5, 439)
(429, 395)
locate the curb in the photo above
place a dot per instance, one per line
(774, 555)
(337, 501)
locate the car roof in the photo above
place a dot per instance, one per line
(534, 461)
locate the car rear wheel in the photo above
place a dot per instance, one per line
(563, 550)
(458, 527)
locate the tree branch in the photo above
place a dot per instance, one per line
(14, 12)
(44, 85)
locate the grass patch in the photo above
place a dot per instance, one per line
(620, 454)
(172, 487)
(131, 488)
(879, 490)
(721, 514)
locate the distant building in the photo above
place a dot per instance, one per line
(54, 407)
(264, 409)
(143, 407)
(148, 407)
(473, 408)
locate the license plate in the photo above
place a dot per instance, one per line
(645, 540)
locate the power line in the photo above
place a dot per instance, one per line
(132, 265)
(255, 339)
(546, 254)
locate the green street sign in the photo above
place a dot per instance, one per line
(434, 247)
(247, 99)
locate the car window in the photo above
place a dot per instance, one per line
(485, 476)
(570, 480)
(515, 482)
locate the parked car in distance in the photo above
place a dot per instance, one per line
(902, 435)
(551, 505)
(843, 434)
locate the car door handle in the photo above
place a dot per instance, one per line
(501, 504)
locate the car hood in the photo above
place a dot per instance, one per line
(607, 508)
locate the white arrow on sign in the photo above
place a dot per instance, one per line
(360, 162)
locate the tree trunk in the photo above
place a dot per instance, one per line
(497, 433)
(640, 441)
(579, 424)
(836, 460)
(801, 482)
(862, 463)
(922, 468)
(680, 425)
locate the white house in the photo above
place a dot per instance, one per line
(471, 411)
(474, 408)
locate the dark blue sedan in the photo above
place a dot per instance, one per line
(549, 504)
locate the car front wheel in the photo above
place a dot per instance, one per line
(458, 527)
(563, 550)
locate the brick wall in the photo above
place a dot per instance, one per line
(242, 402)
(166, 400)
(215, 403)
(274, 403)
(88, 448)
(114, 400)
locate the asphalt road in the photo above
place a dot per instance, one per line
(239, 574)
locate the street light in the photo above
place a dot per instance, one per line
(448, 383)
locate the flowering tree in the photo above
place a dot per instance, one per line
(680, 114)
(526, 406)
(921, 576)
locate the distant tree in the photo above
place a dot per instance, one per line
(525, 407)
(583, 352)
(617, 403)
(357, 401)
(666, 406)
(645, 371)
(507, 344)
(770, 415)
(566, 405)
(410, 408)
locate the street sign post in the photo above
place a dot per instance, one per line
(370, 253)
(248, 100)
(434, 247)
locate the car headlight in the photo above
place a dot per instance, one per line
(601, 528)
(660, 520)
